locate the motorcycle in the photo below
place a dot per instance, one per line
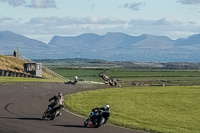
(96, 119)
(49, 113)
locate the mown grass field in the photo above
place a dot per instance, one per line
(86, 74)
(153, 77)
(152, 73)
(159, 109)
(130, 77)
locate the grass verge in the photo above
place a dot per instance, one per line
(157, 109)
(21, 79)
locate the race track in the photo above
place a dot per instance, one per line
(22, 105)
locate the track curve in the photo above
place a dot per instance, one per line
(22, 106)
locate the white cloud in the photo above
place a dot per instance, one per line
(189, 1)
(32, 3)
(3, 19)
(165, 27)
(163, 21)
(42, 4)
(133, 6)
(53, 20)
(14, 2)
(44, 29)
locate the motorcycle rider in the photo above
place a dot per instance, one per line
(76, 79)
(106, 108)
(57, 104)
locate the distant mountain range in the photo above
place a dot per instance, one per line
(113, 46)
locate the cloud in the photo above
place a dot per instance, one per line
(53, 20)
(42, 4)
(4, 19)
(14, 2)
(32, 4)
(189, 1)
(133, 6)
(163, 21)
(165, 27)
(44, 28)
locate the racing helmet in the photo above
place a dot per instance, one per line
(106, 107)
(59, 94)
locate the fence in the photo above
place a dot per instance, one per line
(14, 74)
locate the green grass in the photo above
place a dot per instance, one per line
(86, 74)
(128, 77)
(160, 109)
(22, 79)
(152, 73)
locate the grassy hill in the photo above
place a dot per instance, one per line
(17, 65)
(11, 64)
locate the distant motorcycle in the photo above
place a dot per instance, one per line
(110, 81)
(96, 119)
(75, 80)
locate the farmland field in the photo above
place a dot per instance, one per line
(139, 77)
(86, 74)
(128, 73)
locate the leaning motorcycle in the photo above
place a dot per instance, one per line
(98, 119)
(49, 113)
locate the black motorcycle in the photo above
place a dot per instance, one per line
(49, 113)
(96, 119)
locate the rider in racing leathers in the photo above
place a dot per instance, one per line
(57, 104)
(105, 108)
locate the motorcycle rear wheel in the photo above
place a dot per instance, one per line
(102, 121)
(99, 123)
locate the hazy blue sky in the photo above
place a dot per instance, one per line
(42, 19)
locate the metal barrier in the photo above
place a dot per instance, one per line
(8, 73)
(54, 74)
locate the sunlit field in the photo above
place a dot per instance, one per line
(161, 109)
(130, 77)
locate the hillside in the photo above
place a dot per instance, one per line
(113, 46)
(116, 46)
(11, 64)
(10, 41)
(14, 64)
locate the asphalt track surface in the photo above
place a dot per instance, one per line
(22, 105)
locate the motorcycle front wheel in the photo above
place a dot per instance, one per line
(44, 114)
(86, 122)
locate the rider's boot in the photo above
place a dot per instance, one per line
(59, 113)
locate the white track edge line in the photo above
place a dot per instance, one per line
(107, 124)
